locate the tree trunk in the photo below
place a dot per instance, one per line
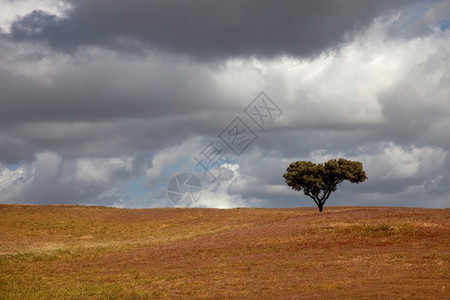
(320, 206)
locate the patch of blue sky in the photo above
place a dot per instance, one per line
(134, 188)
(183, 164)
(13, 167)
(205, 166)
(408, 20)
(134, 195)
(443, 25)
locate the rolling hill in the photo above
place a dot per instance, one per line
(74, 252)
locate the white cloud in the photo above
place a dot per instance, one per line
(218, 194)
(389, 161)
(395, 162)
(11, 10)
(98, 171)
(11, 182)
(51, 179)
(170, 155)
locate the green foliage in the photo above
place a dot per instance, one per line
(318, 181)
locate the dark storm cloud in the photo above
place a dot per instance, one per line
(98, 93)
(92, 107)
(204, 29)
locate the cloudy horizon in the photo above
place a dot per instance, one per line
(103, 102)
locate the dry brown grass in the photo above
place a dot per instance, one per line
(76, 252)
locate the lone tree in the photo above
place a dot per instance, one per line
(318, 181)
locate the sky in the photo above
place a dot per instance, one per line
(107, 102)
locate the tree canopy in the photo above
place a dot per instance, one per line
(318, 181)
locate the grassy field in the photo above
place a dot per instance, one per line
(75, 252)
